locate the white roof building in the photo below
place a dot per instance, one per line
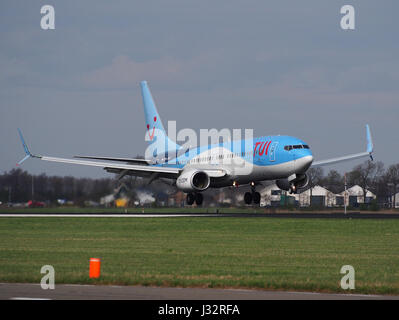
(320, 196)
(271, 194)
(396, 197)
(356, 193)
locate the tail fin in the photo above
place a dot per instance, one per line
(152, 118)
(155, 130)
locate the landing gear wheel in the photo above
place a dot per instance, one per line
(248, 197)
(198, 199)
(190, 198)
(256, 197)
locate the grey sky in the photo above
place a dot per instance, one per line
(280, 67)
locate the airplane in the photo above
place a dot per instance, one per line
(247, 162)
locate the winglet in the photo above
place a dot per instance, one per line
(370, 146)
(27, 152)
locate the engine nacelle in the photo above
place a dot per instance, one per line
(283, 184)
(193, 180)
(301, 181)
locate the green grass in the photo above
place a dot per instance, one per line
(271, 253)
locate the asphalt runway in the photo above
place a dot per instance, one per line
(352, 215)
(20, 291)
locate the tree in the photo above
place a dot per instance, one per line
(392, 177)
(383, 192)
(315, 178)
(333, 181)
(366, 175)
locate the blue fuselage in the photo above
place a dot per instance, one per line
(270, 157)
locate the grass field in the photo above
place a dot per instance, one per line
(271, 253)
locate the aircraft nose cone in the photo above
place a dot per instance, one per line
(303, 164)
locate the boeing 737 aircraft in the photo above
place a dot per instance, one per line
(284, 159)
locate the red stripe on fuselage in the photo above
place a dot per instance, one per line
(268, 147)
(256, 146)
(263, 149)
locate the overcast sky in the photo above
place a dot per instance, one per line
(278, 67)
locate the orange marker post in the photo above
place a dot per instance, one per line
(95, 268)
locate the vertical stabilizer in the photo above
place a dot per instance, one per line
(155, 131)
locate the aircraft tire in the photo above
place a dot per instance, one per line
(190, 198)
(198, 199)
(256, 197)
(248, 198)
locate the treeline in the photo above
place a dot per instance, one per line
(16, 185)
(369, 175)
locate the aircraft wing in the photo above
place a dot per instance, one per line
(122, 169)
(127, 160)
(368, 153)
(128, 168)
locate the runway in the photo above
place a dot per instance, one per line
(318, 215)
(19, 291)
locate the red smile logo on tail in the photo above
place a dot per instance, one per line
(153, 129)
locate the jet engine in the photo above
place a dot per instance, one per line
(301, 181)
(283, 184)
(193, 180)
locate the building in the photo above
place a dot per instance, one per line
(273, 196)
(317, 196)
(394, 198)
(354, 196)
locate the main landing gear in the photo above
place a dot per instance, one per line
(252, 196)
(194, 197)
